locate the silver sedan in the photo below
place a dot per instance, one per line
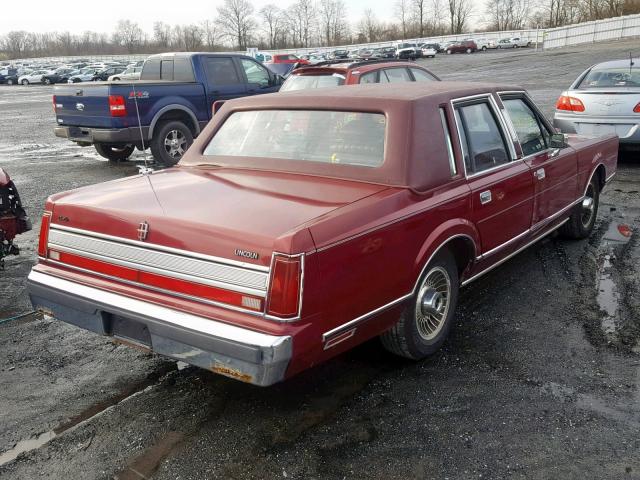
(604, 99)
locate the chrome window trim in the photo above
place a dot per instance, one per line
(154, 246)
(154, 289)
(447, 136)
(501, 124)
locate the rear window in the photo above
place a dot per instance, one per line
(343, 138)
(611, 77)
(304, 82)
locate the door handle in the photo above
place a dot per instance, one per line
(554, 153)
(540, 174)
(485, 197)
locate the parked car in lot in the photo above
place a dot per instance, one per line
(465, 46)
(32, 77)
(9, 76)
(520, 42)
(386, 52)
(288, 58)
(605, 98)
(60, 75)
(83, 75)
(13, 218)
(428, 51)
(482, 43)
(249, 258)
(408, 51)
(174, 99)
(131, 73)
(340, 54)
(103, 75)
(331, 74)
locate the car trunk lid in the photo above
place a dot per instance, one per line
(608, 102)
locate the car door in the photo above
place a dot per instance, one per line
(554, 170)
(501, 185)
(257, 77)
(224, 81)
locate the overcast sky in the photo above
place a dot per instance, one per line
(75, 17)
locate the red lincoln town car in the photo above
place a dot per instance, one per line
(299, 225)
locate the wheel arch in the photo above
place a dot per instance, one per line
(175, 112)
(460, 237)
(600, 173)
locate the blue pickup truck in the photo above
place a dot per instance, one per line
(162, 111)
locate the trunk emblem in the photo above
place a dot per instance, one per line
(143, 231)
(80, 106)
(247, 254)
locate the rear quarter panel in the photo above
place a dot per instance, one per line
(593, 152)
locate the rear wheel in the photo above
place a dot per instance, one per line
(427, 319)
(114, 153)
(25, 82)
(170, 141)
(47, 81)
(449, 52)
(484, 48)
(10, 81)
(583, 218)
(469, 50)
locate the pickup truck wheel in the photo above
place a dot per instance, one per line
(114, 153)
(170, 141)
(426, 321)
(583, 218)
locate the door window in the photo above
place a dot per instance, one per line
(527, 126)
(221, 71)
(255, 73)
(371, 77)
(422, 76)
(166, 70)
(483, 143)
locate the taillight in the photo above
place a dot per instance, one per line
(285, 286)
(637, 108)
(44, 235)
(570, 104)
(117, 106)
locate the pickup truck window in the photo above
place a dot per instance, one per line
(527, 126)
(221, 71)
(347, 138)
(166, 70)
(255, 73)
(483, 142)
(151, 70)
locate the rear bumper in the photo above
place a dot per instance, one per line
(627, 128)
(102, 135)
(236, 352)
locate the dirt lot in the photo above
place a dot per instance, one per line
(540, 378)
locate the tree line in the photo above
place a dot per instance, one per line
(236, 25)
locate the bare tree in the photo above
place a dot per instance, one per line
(369, 26)
(188, 37)
(236, 22)
(209, 34)
(272, 21)
(459, 12)
(129, 35)
(333, 21)
(162, 34)
(507, 14)
(15, 43)
(301, 19)
(419, 15)
(403, 14)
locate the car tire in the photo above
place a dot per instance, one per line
(46, 81)
(484, 48)
(114, 153)
(449, 52)
(528, 44)
(516, 46)
(165, 153)
(583, 218)
(10, 82)
(115, 79)
(25, 82)
(421, 330)
(468, 50)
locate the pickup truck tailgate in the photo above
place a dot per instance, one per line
(83, 105)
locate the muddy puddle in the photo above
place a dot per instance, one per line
(609, 290)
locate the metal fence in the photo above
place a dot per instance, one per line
(590, 32)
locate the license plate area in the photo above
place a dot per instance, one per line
(129, 330)
(80, 134)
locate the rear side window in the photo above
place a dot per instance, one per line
(422, 76)
(166, 70)
(151, 70)
(221, 71)
(483, 144)
(395, 75)
(183, 70)
(371, 77)
(527, 126)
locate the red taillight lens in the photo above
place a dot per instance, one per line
(117, 106)
(637, 108)
(570, 104)
(44, 235)
(285, 285)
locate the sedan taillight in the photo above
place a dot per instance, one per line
(637, 108)
(570, 104)
(44, 235)
(285, 286)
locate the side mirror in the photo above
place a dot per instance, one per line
(558, 140)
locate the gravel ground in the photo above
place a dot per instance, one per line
(540, 378)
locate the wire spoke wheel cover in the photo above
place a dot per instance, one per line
(432, 303)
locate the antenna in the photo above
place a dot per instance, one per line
(143, 170)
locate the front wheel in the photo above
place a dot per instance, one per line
(46, 81)
(10, 82)
(25, 82)
(484, 48)
(449, 52)
(583, 218)
(427, 319)
(114, 153)
(469, 50)
(170, 142)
